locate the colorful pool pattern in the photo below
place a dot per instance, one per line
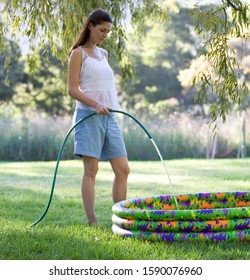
(202, 216)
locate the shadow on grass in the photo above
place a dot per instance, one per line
(63, 234)
(28, 205)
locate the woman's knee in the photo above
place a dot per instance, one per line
(91, 171)
(90, 167)
(126, 170)
(122, 171)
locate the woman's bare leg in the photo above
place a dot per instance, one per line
(121, 170)
(88, 187)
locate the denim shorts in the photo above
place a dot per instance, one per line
(98, 136)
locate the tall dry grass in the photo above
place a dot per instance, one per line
(34, 136)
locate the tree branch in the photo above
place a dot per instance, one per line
(233, 6)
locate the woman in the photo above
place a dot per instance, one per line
(91, 84)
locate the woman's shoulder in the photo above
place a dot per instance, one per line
(78, 52)
(104, 52)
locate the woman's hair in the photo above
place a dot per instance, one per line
(96, 17)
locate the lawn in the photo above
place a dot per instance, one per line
(64, 234)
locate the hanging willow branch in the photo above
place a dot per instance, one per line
(234, 5)
(220, 84)
(58, 23)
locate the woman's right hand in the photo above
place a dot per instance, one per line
(101, 109)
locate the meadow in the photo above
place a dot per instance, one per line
(64, 234)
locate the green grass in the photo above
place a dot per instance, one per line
(64, 234)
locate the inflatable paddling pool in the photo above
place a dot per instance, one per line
(202, 216)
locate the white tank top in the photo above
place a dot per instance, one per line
(97, 82)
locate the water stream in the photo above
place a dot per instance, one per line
(171, 185)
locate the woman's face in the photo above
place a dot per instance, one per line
(100, 32)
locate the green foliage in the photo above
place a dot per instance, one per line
(57, 23)
(46, 84)
(219, 82)
(157, 60)
(11, 69)
(39, 85)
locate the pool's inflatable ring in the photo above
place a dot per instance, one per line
(202, 216)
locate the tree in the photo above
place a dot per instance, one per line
(187, 75)
(218, 25)
(11, 75)
(43, 87)
(158, 58)
(58, 23)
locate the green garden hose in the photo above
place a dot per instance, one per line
(62, 147)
